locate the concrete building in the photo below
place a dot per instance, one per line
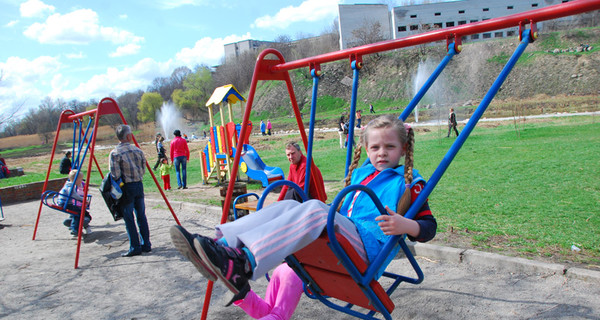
(237, 48)
(413, 19)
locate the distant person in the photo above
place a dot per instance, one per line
(65, 163)
(297, 175)
(358, 118)
(180, 153)
(160, 150)
(269, 127)
(371, 109)
(128, 162)
(4, 172)
(263, 128)
(341, 133)
(452, 123)
(165, 173)
(71, 194)
(204, 132)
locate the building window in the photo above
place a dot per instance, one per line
(510, 33)
(437, 25)
(461, 11)
(509, 7)
(450, 24)
(471, 21)
(564, 1)
(487, 35)
(438, 13)
(401, 28)
(462, 22)
(474, 36)
(414, 27)
(486, 9)
(534, 5)
(498, 34)
(425, 26)
(413, 15)
(485, 19)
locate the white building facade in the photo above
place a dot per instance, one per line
(408, 20)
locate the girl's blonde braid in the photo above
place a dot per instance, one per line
(406, 200)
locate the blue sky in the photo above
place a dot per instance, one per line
(86, 49)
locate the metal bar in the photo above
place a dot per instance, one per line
(350, 140)
(311, 129)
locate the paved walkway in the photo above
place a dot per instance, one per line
(38, 281)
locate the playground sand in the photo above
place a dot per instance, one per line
(38, 281)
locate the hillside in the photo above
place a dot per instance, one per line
(552, 70)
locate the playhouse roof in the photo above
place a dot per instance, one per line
(226, 93)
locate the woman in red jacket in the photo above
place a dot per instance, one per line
(180, 154)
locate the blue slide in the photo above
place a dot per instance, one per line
(256, 169)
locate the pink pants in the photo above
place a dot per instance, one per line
(282, 297)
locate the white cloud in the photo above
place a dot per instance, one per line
(22, 78)
(126, 50)
(207, 51)
(172, 4)
(307, 11)
(11, 23)
(35, 9)
(60, 29)
(79, 55)
(123, 16)
(117, 81)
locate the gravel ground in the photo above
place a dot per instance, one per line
(38, 281)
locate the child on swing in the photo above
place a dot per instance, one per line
(74, 201)
(254, 244)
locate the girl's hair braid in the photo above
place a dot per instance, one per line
(406, 198)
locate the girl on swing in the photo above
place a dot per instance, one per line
(251, 246)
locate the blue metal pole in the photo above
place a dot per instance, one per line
(417, 98)
(311, 130)
(350, 142)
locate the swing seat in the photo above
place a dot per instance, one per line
(331, 268)
(50, 199)
(326, 275)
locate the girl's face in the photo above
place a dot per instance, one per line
(384, 148)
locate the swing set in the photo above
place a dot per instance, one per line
(331, 270)
(84, 141)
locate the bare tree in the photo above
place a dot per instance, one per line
(128, 102)
(368, 32)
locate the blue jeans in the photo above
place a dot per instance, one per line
(133, 201)
(73, 221)
(180, 170)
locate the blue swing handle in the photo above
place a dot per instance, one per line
(276, 184)
(375, 265)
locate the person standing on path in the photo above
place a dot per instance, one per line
(263, 128)
(358, 118)
(371, 109)
(452, 123)
(127, 162)
(180, 153)
(269, 127)
(160, 150)
(341, 132)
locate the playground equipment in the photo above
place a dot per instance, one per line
(216, 157)
(319, 279)
(84, 141)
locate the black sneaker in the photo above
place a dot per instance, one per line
(230, 264)
(184, 242)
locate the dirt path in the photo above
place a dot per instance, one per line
(37, 279)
